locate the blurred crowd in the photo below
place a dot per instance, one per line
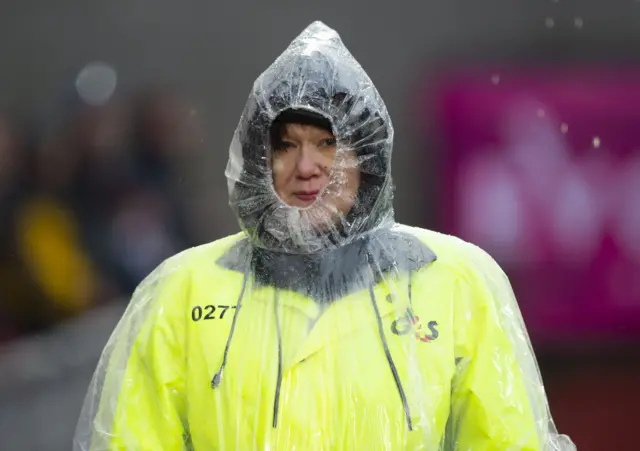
(91, 204)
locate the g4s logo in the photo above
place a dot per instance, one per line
(411, 323)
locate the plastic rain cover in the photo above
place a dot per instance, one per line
(324, 326)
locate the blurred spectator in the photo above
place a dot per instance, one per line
(168, 141)
(94, 140)
(125, 188)
(49, 232)
(44, 273)
(140, 237)
(104, 177)
(95, 205)
(168, 134)
(15, 287)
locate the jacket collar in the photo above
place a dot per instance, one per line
(335, 273)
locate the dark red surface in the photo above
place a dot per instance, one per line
(596, 404)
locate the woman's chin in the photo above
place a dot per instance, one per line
(301, 204)
(321, 215)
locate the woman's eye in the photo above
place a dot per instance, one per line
(329, 142)
(283, 146)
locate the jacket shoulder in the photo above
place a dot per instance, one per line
(202, 256)
(177, 269)
(451, 251)
(170, 281)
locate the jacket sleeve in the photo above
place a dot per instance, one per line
(136, 399)
(498, 398)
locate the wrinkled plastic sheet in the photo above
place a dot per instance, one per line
(317, 330)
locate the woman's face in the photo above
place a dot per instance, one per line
(307, 165)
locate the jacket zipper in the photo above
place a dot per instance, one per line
(392, 365)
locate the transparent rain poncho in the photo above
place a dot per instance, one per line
(316, 330)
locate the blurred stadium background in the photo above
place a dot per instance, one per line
(517, 127)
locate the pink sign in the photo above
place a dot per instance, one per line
(543, 171)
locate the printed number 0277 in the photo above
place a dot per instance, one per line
(209, 312)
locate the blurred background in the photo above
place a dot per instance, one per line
(517, 128)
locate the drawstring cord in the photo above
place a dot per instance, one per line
(276, 400)
(217, 378)
(390, 361)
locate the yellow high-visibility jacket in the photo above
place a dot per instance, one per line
(448, 365)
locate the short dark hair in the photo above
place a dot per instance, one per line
(296, 116)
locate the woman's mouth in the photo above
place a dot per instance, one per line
(306, 196)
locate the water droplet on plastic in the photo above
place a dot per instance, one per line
(549, 22)
(578, 22)
(596, 142)
(564, 128)
(495, 79)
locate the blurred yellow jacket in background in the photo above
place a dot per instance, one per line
(51, 247)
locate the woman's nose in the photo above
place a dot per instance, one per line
(309, 162)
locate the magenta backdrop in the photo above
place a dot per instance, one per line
(542, 169)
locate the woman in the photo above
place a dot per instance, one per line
(323, 325)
